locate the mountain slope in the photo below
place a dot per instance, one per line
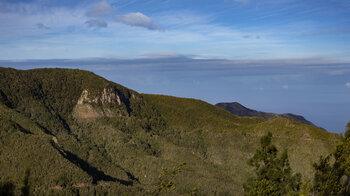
(304, 142)
(61, 106)
(238, 109)
(81, 134)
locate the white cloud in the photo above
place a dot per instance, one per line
(100, 9)
(285, 86)
(138, 19)
(96, 23)
(348, 84)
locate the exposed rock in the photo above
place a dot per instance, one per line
(84, 97)
(85, 110)
(108, 96)
(54, 139)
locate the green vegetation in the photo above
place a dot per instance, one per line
(113, 141)
(273, 174)
(166, 183)
(334, 178)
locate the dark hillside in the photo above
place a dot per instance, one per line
(239, 110)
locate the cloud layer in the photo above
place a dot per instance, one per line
(181, 63)
(138, 19)
(210, 30)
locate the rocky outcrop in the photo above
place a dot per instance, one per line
(108, 96)
(93, 106)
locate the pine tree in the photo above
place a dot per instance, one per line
(334, 179)
(273, 172)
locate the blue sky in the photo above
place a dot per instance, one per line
(271, 55)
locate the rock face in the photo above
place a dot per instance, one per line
(85, 108)
(239, 110)
(85, 99)
(108, 96)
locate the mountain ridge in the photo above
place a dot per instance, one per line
(240, 110)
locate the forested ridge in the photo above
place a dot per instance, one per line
(71, 132)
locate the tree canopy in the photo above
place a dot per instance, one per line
(273, 173)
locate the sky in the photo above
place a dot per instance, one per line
(282, 56)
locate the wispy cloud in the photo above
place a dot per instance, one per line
(348, 84)
(97, 23)
(98, 12)
(138, 19)
(28, 20)
(100, 9)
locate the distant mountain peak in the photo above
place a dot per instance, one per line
(240, 110)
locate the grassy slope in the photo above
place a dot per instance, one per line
(157, 131)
